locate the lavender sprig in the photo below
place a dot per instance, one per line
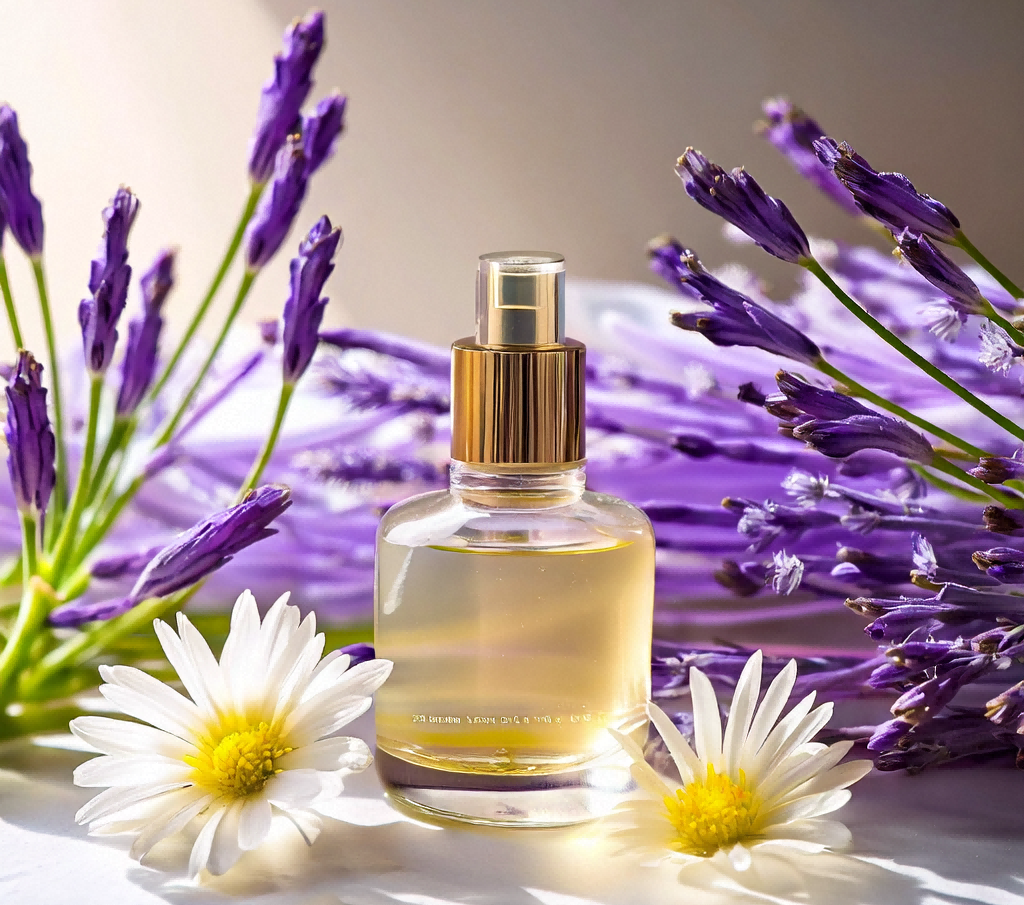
(31, 447)
(19, 207)
(192, 556)
(321, 130)
(737, 198)
(278, 206)
(284, 95)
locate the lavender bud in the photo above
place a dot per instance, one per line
(284, 95)
(1007, 709)
(142, 348)
(278, 206)
(737, 198)
(321, 131)
(888, 197)
(1003, 521)
(997, 469)
(1004, 564)
(358, 653)
(193, 555)
(940, 271)
(304, 309)
(888, 735)
(793, 133)
(818, 402)
(998, 352)
(736, 319)
(31, 447)
(428, 358)
(122, 565)
(840, 438)
(108, 282)
(18, 206)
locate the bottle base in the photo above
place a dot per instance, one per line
(547, 800)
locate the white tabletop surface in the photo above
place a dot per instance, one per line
(949, 836)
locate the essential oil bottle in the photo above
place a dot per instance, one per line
(516, 606)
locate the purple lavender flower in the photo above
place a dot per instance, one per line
(304, 309)
(108, 282)
(358, 653)
(1007, 709)
(140, 355)
(424, 356)
(192, 555)
(736, 320)
(888, 197)
(997, 469)
(940, 271)
(278, 206)
(816, 401)
(18, 206)
(31, 447)
(843, 437)
(321, 130)
(1005, 564)
(284, 95)
(737, 198)
(793, 133)
(947, 738)
(998, 352)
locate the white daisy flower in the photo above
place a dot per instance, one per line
(257, 737)
(764, 783)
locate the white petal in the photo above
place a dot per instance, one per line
(181, 808)
(327, 672)
(123, 770)
(809, 806)
(238, 657)
(771, 707)
(366, 677)
(108, 802)
(788, 778)
(123, 737)
(200, 855)
(225, 850)
(307, 823)
(837, 778)
(184, 667)
(707, 721)
(138, 694)
(739, 857)
(744, 700)
(293, 788)
(254, 823)
(641, 771)
(291, 683)
(828, 833)
(795, 729)
(686, 761)
(342, 753)
(204, 662)
(317, 719)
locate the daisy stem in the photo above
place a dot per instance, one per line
(260, 464)
(61, 490)
(69, 528)
(990, 268)
(1010, 500)
(12, 314)
(35, 604)
(893, 340)
(858, 389)
(169, 426)
(204, 305)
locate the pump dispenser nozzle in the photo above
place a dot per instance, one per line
(517, 386)
(520, 299)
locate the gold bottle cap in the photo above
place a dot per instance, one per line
(517, 386)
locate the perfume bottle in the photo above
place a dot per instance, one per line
(517, 605)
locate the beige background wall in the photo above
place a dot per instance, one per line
(477, 125)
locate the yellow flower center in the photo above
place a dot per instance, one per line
(711, 814)
(241, 762)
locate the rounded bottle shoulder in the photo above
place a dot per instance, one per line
(444, 518)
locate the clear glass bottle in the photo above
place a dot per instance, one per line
(516, 606)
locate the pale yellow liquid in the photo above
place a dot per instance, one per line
(512, 661)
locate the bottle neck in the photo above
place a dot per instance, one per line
(518, 486)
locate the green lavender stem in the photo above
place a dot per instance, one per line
(122, 427)
(988, 266)
(859, 389)
(268, 447)
(204, 305)
(69, 527)
(61, 490)
(31, 612)
(893, 340)
(12, 314)
(171, 424)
